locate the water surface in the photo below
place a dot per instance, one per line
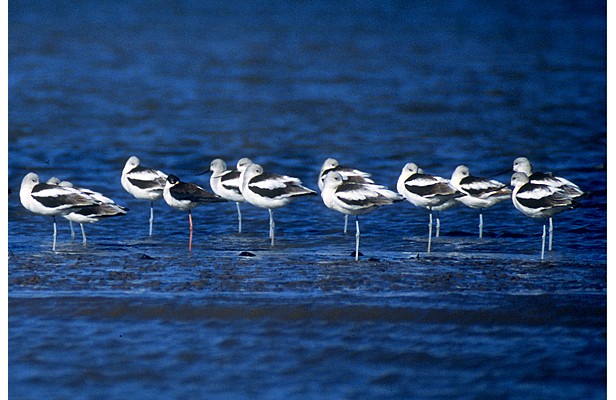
(288, 85)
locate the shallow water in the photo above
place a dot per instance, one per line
(374, 85)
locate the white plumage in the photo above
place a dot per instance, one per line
(270, 191)
(522, 164)
(50, 199)
(242, 164)
(91, 214)
(426, 191)
(479, 193)
(226, 184)
(355, 198)
(143, 183)
(538, 201)
(55, 200)
(348, 174)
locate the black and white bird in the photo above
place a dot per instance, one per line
(56, 181)
(270, 191)
(522, 164)
(425, 191)
(347, 173)
(186, 196)
(479, 193)
(226, 184)
(537, 200)
(90, 214)
(437, 210)
(143, 183)
(355, 198)
(51, 199)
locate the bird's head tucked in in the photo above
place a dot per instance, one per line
(519, 179)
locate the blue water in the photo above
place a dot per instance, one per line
(374, 84)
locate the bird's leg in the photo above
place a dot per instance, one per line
(430, 233)
(83, 235)
(543, 243)
(70, 223)
(272, 226)
(191, 231)
(438, 226)
(239, 218)
(346, 222)
(151, 216)
(53, 246)
(357, 238)
(480, 225)
(551, 229)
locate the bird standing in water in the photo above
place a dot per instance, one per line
(186, 196)
(143, 183)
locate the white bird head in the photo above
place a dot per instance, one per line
(411, 167)
(460, 173)
(521, 164)
(409, 170)
(30, 181)
(243, 163)
(253, 170)
(333, 179)
(329, 164)
(518, 179)
(131, 164)
(217, 166)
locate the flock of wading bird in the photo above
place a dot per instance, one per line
(343, 189)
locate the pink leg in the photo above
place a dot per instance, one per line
(191, 231)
